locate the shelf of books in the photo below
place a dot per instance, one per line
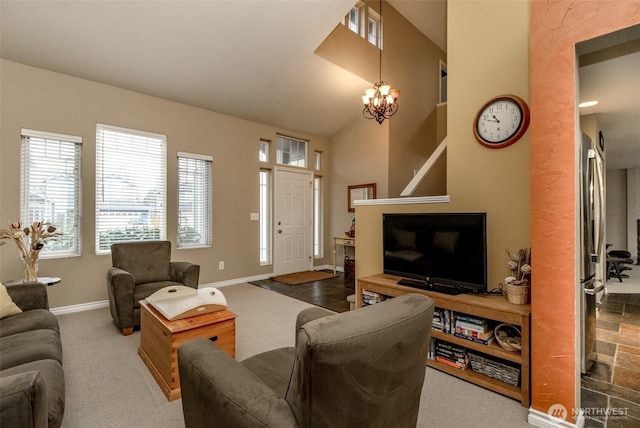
(463, 342)
(467, 343)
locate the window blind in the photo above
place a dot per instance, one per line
(291, 151)
(130, 186)
(194, 200)
(50, 188)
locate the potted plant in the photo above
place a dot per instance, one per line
(516, 286)
(30, 241)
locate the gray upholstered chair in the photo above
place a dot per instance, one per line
(362, 368)
(139, 270)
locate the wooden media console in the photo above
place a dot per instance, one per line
(492, 307)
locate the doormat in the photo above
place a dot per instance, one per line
(303, 277)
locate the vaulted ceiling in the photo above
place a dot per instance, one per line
(250, 59)
(253, 59)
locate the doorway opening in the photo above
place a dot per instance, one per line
(607, 73)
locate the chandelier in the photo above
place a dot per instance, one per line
(380, 102)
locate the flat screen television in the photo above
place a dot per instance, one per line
(437, 249)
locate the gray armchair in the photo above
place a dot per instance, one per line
(363, 368)
(139, 270)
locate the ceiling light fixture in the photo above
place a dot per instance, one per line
(380, 102)
(587, 104)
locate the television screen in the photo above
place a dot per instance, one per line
(439, 249)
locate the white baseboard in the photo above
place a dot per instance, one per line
(80, 308)
(61, 310)
(235, 281)
(328, 267)
(543, 420)
(105, 303)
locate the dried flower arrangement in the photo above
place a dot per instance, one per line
(30, 241)
(520, 266)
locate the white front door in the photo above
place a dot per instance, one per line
(293, 221)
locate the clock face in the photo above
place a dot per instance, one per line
(501, 121)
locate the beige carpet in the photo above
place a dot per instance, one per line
(108, 385)
(298, 278)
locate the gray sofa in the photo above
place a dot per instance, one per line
(362, 368)
(32, 390)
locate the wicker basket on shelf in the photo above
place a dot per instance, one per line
(508, 337)
(495, 369)
(518, 294)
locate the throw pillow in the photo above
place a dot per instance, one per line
(7, 307)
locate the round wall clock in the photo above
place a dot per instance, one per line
(501, 121)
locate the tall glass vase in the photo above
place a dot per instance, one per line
(30, 270)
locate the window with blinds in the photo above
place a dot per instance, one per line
(130, 186)
(194, 200)
(291, 151)
(50, 166)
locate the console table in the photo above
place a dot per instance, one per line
(491, 307)
(345, 242)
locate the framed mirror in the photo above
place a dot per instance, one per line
(360, 192)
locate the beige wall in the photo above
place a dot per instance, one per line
(495, 181)
(411, 63)
(359, 155)
(436, 183)
(42, 100)
(386, 154)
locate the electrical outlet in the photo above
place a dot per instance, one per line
(254, 216)
(220, 265)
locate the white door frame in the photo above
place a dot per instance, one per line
(277, 266)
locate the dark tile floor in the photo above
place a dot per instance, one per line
(329, 293)
(613, 383)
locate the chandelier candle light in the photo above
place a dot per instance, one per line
(380, 102)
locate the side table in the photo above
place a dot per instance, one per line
(345, 242)
(46, 280)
